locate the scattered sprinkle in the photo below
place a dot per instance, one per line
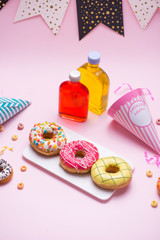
(154, 203)
(149, 173)
(158, 121)
(23, 168)
(20, 126)
(5, 148)
(20, 186)
(14, 137)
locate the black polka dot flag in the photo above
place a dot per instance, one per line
(93, 12)
(3, 3)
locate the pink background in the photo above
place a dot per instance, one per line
(33, 63)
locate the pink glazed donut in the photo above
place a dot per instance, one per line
(78, 156)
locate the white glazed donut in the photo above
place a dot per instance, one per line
(47, 138)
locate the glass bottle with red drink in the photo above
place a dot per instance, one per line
(73, 98)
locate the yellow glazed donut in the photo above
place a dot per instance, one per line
(111, 173)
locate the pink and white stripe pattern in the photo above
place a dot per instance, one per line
(132, 112)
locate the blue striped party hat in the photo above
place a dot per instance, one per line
(10, 107)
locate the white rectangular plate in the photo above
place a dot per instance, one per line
(82, 181)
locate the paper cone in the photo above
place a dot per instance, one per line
(10, 107)
(132, 112)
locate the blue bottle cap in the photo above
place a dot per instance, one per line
(75, 76)
(94, 58)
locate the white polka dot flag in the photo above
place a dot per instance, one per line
(10, 107)
(52, 11)
(144, 10)
(131, 111)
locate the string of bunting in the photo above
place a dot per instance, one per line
(90, 13)
(144, 10)
(93, 12)
(52, 11)
(3, 3)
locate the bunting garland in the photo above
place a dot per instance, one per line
(52, 11)
(90, 13)
(93, 12)
(3, 3)
(144, 10)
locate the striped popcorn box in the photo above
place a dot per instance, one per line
(132, 112)
(10, 107)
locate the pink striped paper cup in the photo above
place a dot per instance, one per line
(132, 112)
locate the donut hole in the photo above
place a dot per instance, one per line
(112, 169)
(48, 135)
(80, 154)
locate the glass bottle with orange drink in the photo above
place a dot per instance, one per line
(73, 98)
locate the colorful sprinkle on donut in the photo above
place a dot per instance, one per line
(158, 185)
(47, 137)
